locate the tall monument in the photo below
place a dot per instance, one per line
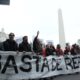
(61, 30)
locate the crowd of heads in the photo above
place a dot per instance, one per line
(46, 50)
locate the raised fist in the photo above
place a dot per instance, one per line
(37, 32)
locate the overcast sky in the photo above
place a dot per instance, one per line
(26, 17)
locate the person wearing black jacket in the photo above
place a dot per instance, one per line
(10, 44)
(25, 46)
(50, 49)
(37, 46)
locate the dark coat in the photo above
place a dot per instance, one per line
(10, 45)
(73, 51)
(66, 52)
(24, 47)
(1, 46)
(37, 47)
(50, 51)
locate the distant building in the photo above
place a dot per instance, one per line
(3, 35)
(78, 42)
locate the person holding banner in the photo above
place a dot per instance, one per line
(37, 46)
(77, 49)
(50, 49)
(24, 45)
(59, 51)
(67, 49)
(73, 50)
(10, 44)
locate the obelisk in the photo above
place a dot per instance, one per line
(61, 30)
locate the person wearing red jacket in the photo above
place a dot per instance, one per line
(59, 51)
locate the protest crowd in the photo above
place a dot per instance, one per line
(46, 50)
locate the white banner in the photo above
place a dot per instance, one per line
(26, 65)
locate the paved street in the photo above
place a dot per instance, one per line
(64, 77)
(68, 77)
